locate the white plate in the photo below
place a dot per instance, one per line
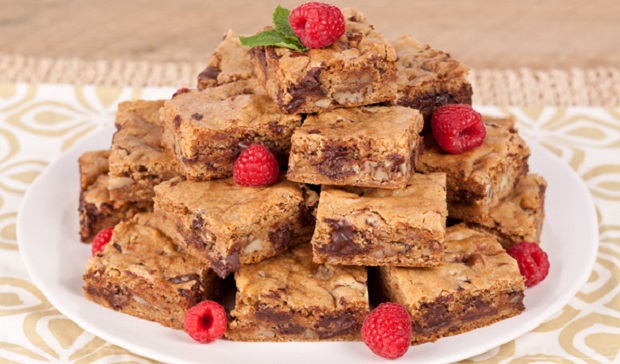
(47, 231)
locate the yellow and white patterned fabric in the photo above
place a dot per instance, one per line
(39, 122)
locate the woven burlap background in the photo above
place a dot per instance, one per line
(515, 87)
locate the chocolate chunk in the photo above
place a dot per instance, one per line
(269, 314)
(118, 298)
(198, 222)
(428, 102)
(197, 116)
(332, 326)
(337, 161)
(291, 329)
(208, 74)
(223, 266)
(177, 121)
(281, 237)
(117, 247)
(463, 197)
(342, 236)
(310, 85)
(397, 160)
(474, 259)
(478, 307)
(275, 128)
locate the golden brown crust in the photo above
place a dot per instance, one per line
(226, 225)
(429, 78)
(366, 146)
(137, 160)
(480, 178)
(207, 130)
(97, 209)
(358, 69)
(403, 227)
(290, 298)
(520, 216)
(92, 164)
(230, 62)
(477, 284)
(141, 273)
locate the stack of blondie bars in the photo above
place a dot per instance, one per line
(363, 201)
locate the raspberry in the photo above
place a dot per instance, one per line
(256, 166)
(457, 128)
(205, 322)
(316, 24)
(533, 261)
(387, 330)
(101, 240)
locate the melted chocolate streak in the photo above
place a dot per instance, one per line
(342, 236)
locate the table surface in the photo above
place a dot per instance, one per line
(549, 61)
(481, 33)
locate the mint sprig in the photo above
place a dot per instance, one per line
(280, 21)
(281, 36)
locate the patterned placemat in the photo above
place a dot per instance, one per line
(39, 122)
(522, 87)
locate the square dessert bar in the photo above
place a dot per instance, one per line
(477, 284)
(429, 78)
(137, 160)
(358, 69)
(97, 209)
(207, 130)
(230, 62)
(141, 273)
(290, 298)
(226, 225)
(403, 227)
(366, 146)
(520, 216)
(480, 178)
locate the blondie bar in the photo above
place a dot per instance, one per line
(137, 160)
(429, 78)
(480, 178)
(358, 69)
(207, 130)
(477, 284)
(290, 298)
(520, 216)
(226, 225)
(96, 208)
(230, 62)
(403, 227)
(141, 273)
(370, 146)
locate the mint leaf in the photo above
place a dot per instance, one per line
(272, 38)
(281, 36)
(280, 21)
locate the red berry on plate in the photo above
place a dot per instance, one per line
(387, 330)
(256, 166)
(457, 128)
(317, 24)
(205, 321)
(101, 240)
(533, 261)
